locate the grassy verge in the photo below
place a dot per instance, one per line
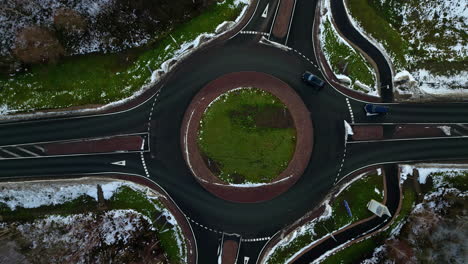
(360, 250)
(378, 27)
(104, 78)
(415, 34)
(358, 194)
(345, 60)
(241, 135)
(124, 198)
(352, 254)
(127, 198)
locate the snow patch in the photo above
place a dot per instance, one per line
(36, 194)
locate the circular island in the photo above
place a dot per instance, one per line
(247, 137)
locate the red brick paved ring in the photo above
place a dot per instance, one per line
(254, 192)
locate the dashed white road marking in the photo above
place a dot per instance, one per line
(205, 227)
(350, 110)
(152, 108)
(303, 56)
(255, 33)
(255, 239)
(342, 161)
(143, 162)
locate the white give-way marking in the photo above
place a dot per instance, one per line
(265, 12)
(120, 163)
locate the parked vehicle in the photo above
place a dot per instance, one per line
(372, 109)
(313, 80)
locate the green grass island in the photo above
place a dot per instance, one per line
(247, 135)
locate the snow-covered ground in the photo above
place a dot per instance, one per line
(15, 16)
(434, 170)
(40, 193)
(117, 225)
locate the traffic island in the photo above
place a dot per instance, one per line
(247, 137)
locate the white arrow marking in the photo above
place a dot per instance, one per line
(120, 163)
(246, 260)
(265, 13)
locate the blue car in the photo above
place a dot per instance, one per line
(313, 80)
(372, 109)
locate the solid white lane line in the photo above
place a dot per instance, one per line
(407, 139)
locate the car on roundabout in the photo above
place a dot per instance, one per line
(313, 80)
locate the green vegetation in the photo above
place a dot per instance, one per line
(124, 198)
(128, 198)
(378, 27)
(452, 179)
(247, 136)
(353, 253)
(358, 194)
(346, 60)
(415, 34)
(104, 78)
(281, 254)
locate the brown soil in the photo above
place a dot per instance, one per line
(301, 120)
(282, 18)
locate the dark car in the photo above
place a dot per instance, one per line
(372, 109)
(313, 80)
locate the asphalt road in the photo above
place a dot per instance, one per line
(167, 167)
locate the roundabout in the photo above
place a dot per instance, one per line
(270, 119)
